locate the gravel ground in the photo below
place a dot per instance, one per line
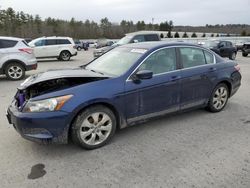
(193, 149)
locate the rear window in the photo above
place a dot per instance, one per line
(7, 43)
(49, 42)
(63, 41)
(151, 38)
(26, 44)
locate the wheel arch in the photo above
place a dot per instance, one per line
(13, 61)
(118, 116)
(228, 84)
(64, 50)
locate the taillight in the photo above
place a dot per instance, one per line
(26, 50)
(75, 47)
(237, 67)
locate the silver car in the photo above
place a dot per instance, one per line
(16, 57)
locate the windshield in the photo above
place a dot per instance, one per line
(210, 44)
(116, 62)
(124, 40)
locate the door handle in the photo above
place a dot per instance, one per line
(212, 69)
(175, 78)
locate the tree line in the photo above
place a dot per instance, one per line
(24, 25)
(20, 24)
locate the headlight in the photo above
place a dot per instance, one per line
(47, 105)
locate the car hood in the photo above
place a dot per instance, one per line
(105, 49)
(60, 73)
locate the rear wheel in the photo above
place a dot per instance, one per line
(233, 56)
(94, 127)
(65, 56)
(219, 98)
(244, 54)
(79, 48)
(15, 71)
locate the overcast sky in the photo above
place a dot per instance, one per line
(191, 12)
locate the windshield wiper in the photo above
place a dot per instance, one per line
(96, 71)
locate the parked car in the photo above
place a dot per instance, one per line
(222, 48)
(246, 49)
(125, 86)
(16, 57)
(103, 43)
(79, 45)
(62, 48)
(129, 38)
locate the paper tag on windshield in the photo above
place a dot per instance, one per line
(141, 51)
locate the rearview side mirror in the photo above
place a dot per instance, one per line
(144, 75)
(135, 41)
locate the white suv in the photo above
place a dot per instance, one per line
(16, 57)
(62, 48)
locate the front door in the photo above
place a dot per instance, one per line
(158, 95)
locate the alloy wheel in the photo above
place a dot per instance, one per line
(220, 98)
(96, 128)
(15, 72)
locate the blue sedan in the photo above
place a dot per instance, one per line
(128, 85)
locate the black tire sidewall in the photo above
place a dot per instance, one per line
(14, 64)
(210, 103)
(61, 58)
(75, 129)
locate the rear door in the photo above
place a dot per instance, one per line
(197, 74)
(51, 47)
(6, 48)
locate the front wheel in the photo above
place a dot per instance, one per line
(233, 56)
(94, 127)
(65, 56)
(219, 98)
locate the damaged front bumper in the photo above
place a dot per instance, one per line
(42, 127)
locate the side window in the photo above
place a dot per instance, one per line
(229, 44)
(139, 38)
(222, 44)
(40, 43)
(50, 42)
(209, 57)
(151, 38)
(63, 41)
(7, 43)
(192, 57)
(161, 61)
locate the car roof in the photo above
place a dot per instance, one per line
(53, 37)
(158, 44)
(11, 38)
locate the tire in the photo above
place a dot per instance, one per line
(244, 54)
(219, 98)
(14, 71)
(79, 48)
(65, 56)
(89, 127)
(232, 56)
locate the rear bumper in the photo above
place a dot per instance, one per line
(43, 127)
(31, 67)
(74, 54)
(236, 82)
